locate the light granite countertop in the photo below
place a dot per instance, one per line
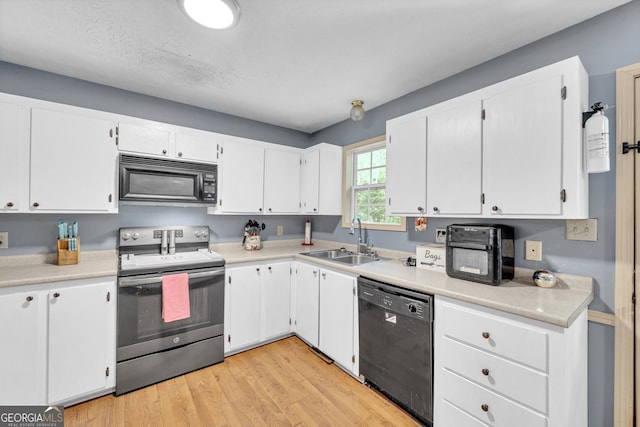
(559, 305)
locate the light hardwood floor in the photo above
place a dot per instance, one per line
(280, 384)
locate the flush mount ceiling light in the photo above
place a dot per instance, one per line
(357, 112)
(216, 14)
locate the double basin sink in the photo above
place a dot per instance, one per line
(343, 256)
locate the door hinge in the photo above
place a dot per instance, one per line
(563, 92)
(389, 201)
(228, 338)
(108, 296)
(563, 195)
(220, 202)
(110, 133)
(389, 139)
(221, 150)
(626, 147)
(483, 114)
(482, 199)
(106, 372)
(289, 321)
(117, 135)
(354, 291)
(110, 197)
(229, 279)
(353, 358)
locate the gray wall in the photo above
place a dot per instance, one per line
(604, 43)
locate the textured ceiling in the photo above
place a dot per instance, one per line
(293, 63)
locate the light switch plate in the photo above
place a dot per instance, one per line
(4, 239)
(533, 250)
(280, 230)
(441, 235)
(582, 229)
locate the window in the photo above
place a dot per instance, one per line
(365, 177)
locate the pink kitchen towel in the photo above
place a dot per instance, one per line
(175, 297)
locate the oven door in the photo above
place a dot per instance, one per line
(141, 329)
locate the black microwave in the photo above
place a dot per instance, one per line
(145, 180)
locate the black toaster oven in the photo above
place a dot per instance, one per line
(480, 252)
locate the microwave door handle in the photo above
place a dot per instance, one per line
(477, 246)
(133, 281)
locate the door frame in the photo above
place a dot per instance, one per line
(624, 400)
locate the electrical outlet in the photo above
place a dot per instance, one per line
(280, 230)
(4, 239)
(582, 229)
(441, 235)
(533, 250)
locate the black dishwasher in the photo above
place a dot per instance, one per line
(396, 339)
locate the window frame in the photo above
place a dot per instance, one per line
(347, 186)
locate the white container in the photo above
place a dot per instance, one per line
(432, 256)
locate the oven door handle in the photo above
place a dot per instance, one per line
(124, 282)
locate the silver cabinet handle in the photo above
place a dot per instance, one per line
(29, 298)
(494, 208)
(164, 151)
(435, 209)
(10, 204)
(56, 295)
(180, 154)
(36, 204)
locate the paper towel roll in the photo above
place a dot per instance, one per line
(307, 232)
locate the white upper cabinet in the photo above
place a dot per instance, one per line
(310, 182)
(144, 139)
(454, 159)
(14, 170)
(524, 159)
(200, 146)
(321, 180)
(73, 162)
(281, 181)
(523, 150)
(240, 183)
(406, 165)
(257, 179)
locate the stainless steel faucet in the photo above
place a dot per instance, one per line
(351, 231)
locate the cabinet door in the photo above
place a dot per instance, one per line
(73, 163)
(454, 161)
(243, 328)
(281, 181)
(198, 146)
(523, 150)
(406, 166)
(307, 301)
(330, 185)
(23, 351)
(144, 139)
(310, 181)
(241, 177)
(337, 292)
(12, 175)
(79, 334)
(276, 299)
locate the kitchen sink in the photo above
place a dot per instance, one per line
(328, 254)
(343, 256)
(355, 259)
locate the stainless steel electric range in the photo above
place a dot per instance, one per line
(149, 348)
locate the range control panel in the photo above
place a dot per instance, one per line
(141, 236)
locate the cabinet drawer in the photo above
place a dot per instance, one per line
(452, 416)
(518, 342)
(487, 406)
(512, 380)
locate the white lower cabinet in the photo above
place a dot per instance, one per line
(338, 318)
(498, 369)
(326, 313)
(64, 341)
(257, 304)
(307, 302)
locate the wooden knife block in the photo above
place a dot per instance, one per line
(65, 256)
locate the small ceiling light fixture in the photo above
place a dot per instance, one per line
(216, 14)
(357, 112)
